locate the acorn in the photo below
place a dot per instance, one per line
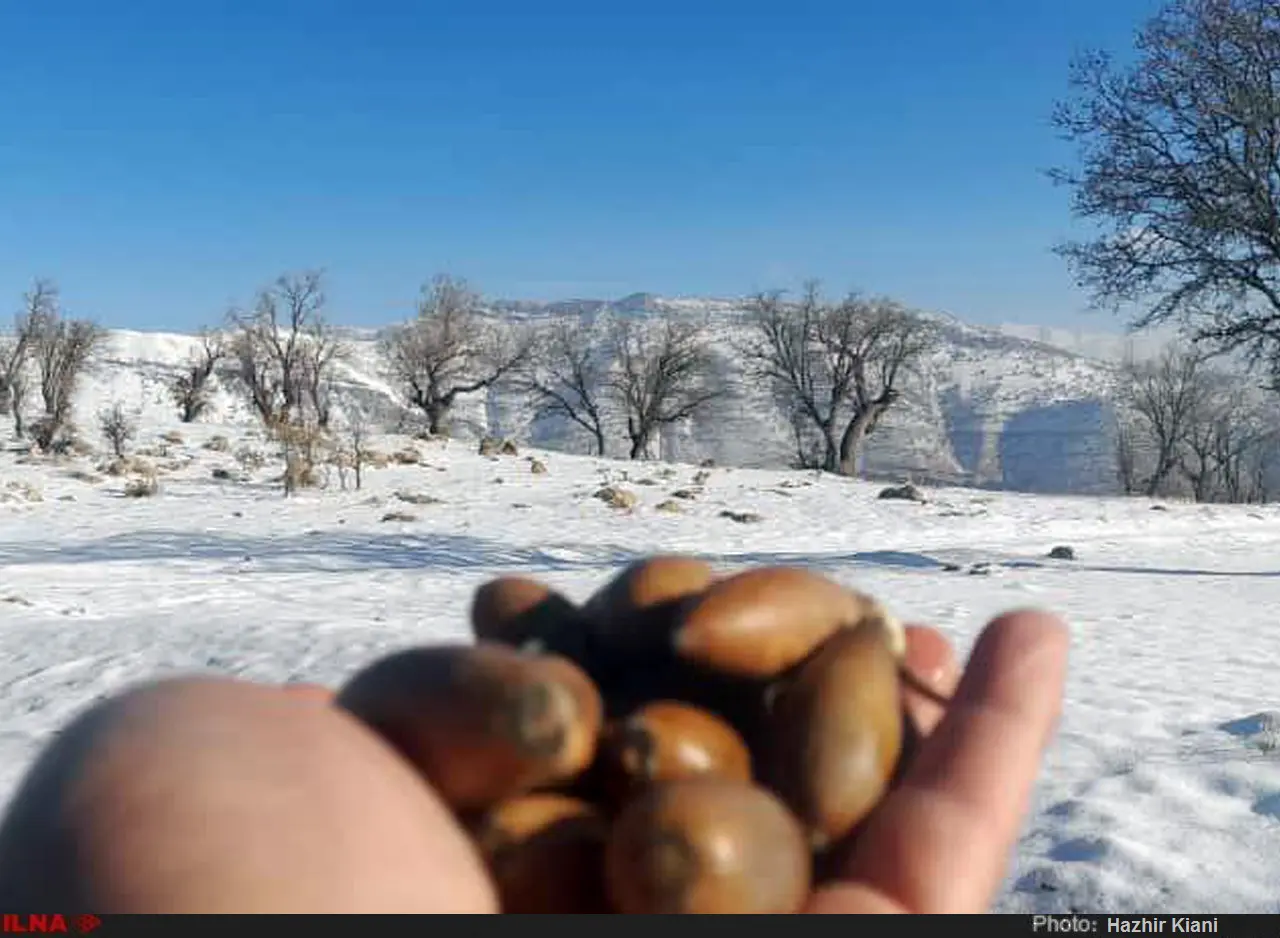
(545, 852)
(631, 616)
(527, 614)
(481, 723)
(667, 740)
(761, 623)
(707, 846)
(836, 734)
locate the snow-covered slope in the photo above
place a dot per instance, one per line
(991, 409)
(1161, 791)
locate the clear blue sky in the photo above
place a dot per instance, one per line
(162, 159)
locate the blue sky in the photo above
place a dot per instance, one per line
(162, 160)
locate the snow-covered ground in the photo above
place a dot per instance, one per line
(1162, 790)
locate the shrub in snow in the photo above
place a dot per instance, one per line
(250, 459)
(616, 497)
(118, 427)
(142, 487)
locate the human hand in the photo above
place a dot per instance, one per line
(224, 796)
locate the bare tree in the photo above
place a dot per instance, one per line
(16, 353)
(449, 349)
(61, 350)
(834, 368)
(567, 376)
(1163, 397)
(190, 388)
(1197, 458)
(352, 451)
(1242, 448)
(1126, 453)
(358, 434)
(1178, 164)
(661, 373)
(118, 427)
(1228, 429)
(284, 351)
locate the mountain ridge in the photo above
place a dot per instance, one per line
(994, 408)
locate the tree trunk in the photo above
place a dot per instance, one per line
(436, 413)
(639, 433)
(830, 448)
(1166, 462)
(599, 435)
(854, 434)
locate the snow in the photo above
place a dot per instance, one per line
(1162, 790)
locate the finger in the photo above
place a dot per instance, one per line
(313, 693)
(932, 662)
(940, 843)
(226, 796)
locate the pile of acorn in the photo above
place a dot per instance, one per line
(680, 743)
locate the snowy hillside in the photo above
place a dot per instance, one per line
(991, 409)
(1161, 791)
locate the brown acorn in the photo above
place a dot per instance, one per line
(707, 846)
(545, 853)
(762, 622)
(484, 722)
(526, 613)
(836, 734)
(632, 615)
(667, 740)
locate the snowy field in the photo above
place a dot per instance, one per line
(1162, 791)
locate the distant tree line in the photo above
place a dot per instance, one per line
(1187, 427)
(1184, 426)
(833, 367)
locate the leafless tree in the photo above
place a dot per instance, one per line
(1126, 453)
(352, 452)
(567, 376)
(1226, 431)
(118, 427)
(1163, 397)
(661, 373)
(16, 352)
(834, 368)
(61, 350)
(1243, 449)
(284, 352)
(1197, 459)
(358, 433)
(1179, 151)
(190, 388)
(449, 349)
